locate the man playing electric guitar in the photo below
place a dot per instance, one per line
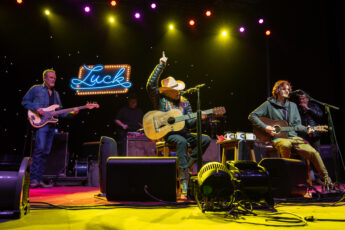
(165, 99)
(36, 99)
(278, 107)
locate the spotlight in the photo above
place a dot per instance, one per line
(191, 22)
(19, 1)
(47, 12)
(113, 3)
(171, 26)
(268, 32)
(153, 5)
(261, 21)
(208, 13)
(137, 15)
(87, 9)
(111, 19)
(224, 33)
(241, 29)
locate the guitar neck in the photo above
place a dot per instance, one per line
(68, 110)
(192, 115)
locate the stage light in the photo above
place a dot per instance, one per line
(111, 19)
(153, 5)
(191, 22)
(171, 26)
(224, 33)
(208, 13)
(261, 21)
(268, 32)
(113, 3)
(19, 1)
(241, 29)
(137, 15)
(47, 12)
(87, 9)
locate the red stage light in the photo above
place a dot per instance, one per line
(113, 3)
(268, 32)
(208, 13)
(191, 22)
(19, 1)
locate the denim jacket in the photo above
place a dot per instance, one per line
(38, 97)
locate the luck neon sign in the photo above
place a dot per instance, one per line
(102, 79)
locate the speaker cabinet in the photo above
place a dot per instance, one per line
(140, 147)
(140, 178)
(287, 176)
(57, 160)
(14, 190)
(107, 148)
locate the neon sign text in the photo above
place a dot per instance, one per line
(99, 79)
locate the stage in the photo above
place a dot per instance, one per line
(80, 208)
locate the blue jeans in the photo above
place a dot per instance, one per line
(43, 142)
(182, 140)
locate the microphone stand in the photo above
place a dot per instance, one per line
(334, 142)
(198, 123)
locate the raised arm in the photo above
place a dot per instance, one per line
(152, 84)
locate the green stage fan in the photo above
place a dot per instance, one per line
(214, 187)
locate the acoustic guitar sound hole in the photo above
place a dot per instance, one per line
(171, 120)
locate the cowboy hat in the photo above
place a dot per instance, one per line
(171, 83)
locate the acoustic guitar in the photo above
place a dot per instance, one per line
(281, 129)
(38, 121)
(157, 124)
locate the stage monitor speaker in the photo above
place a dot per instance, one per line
(136, 178)
(57, 160)
(107, 148)
(287, 176)
(14, 191)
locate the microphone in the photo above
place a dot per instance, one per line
(297, 92)
(192, 90)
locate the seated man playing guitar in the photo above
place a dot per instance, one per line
(167, 98)
(278, 107)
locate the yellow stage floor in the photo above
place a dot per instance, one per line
(176, 218)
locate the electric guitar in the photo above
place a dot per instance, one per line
(157, 124)
(37, 120)
(281, 129)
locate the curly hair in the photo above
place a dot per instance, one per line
(277, 85)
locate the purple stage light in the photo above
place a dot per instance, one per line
(137, 15)
(87, 9)
(241, 29)
(153, 5)
(261, 21)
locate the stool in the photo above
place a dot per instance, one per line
(164, 148)
(234, 145)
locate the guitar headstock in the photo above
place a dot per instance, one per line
(91, 105)
(219, 111)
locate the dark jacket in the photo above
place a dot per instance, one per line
(274, 110)
(164, 103)
(312, 117)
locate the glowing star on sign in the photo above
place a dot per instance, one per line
(19, 1)
(261, 21)
(153, 5)
(87, 9)
(208, 13)
(241, 29)
(102, 79)
(192, 22)
(268, 32)
(137, 15)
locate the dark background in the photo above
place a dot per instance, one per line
(306, 47)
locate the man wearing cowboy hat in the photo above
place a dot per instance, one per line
(166, 98)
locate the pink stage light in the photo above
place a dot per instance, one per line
(261, 21)
(241, 29)
(137, 15)
(153, 5)
(87, 9)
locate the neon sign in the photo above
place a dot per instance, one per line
(102, 79)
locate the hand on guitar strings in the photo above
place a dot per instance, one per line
(271, 130)
(40, 111)
(163, 60)
(75, 111)
(310, 130)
